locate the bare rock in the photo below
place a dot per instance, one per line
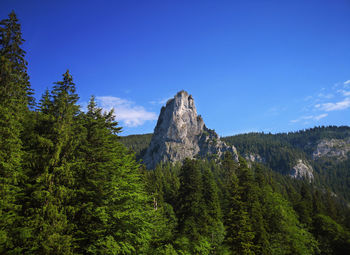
(180, 133)
(335, 148)
(302, 170)
(253, 157)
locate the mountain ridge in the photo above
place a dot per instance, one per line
(281, 153)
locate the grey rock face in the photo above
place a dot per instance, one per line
(338, 148)
(252, 157)
(180, 133)
(302, 169)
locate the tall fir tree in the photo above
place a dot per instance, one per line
(191, 209)
(240, 234)
(113, 209)
(214, 228)
(51, 190)
(14, 99)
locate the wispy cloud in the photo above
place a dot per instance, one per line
(344, 92)
(308, 98)
(328, 107)
(126, 111)
(325, 96)
(310, 117)
(161, 101)
(325, 101)
(321, 116)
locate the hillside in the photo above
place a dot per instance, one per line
(137, 143)
(325, 149)
(257, 196)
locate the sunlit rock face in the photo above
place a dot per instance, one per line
(332, 148)
(180, 133)
(302, 170)
(253, 158)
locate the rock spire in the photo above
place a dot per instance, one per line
(180, 133)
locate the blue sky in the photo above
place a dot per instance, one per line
(272, 66)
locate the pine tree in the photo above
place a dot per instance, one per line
(113, 208)
(51, 190)
(14, 99)
(239, 231)
(214, 228)
(191, 209)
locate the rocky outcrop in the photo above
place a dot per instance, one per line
(252, 157)
(335, 148)
(180, 133)
(302, 170)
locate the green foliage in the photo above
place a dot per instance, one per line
(281, 151)
(114, 210)
(14, 100)
(137, 143)
(287, 235)
(334, 239)
(50, 188)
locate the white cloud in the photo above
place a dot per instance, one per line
(326, 96)
(321, 116)
(161, 101)
(310, 117)
(308, 98)
(344, 92)
(341, 105)
(126, 111)
(346, 82)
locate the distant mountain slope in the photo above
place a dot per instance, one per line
(278, 154)
(137, 143)
(325, 150)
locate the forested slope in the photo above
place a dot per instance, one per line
(281, 151)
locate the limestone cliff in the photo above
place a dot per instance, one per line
(180, 133)
(302, 169)
(332, 148)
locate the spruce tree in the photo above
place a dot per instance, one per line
(240, 235)
(113, 208)
(191, 209)
(14, 99)
(214, 228)
(51, 189)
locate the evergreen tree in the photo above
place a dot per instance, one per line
(114, 211)
(214, 228)
(14, 100)
(51, 190)
(333, 238)
(286, 234)
(191, 209)
(239, 230)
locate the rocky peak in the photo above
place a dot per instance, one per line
(180, 133)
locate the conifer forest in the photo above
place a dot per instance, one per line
(70, 183)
